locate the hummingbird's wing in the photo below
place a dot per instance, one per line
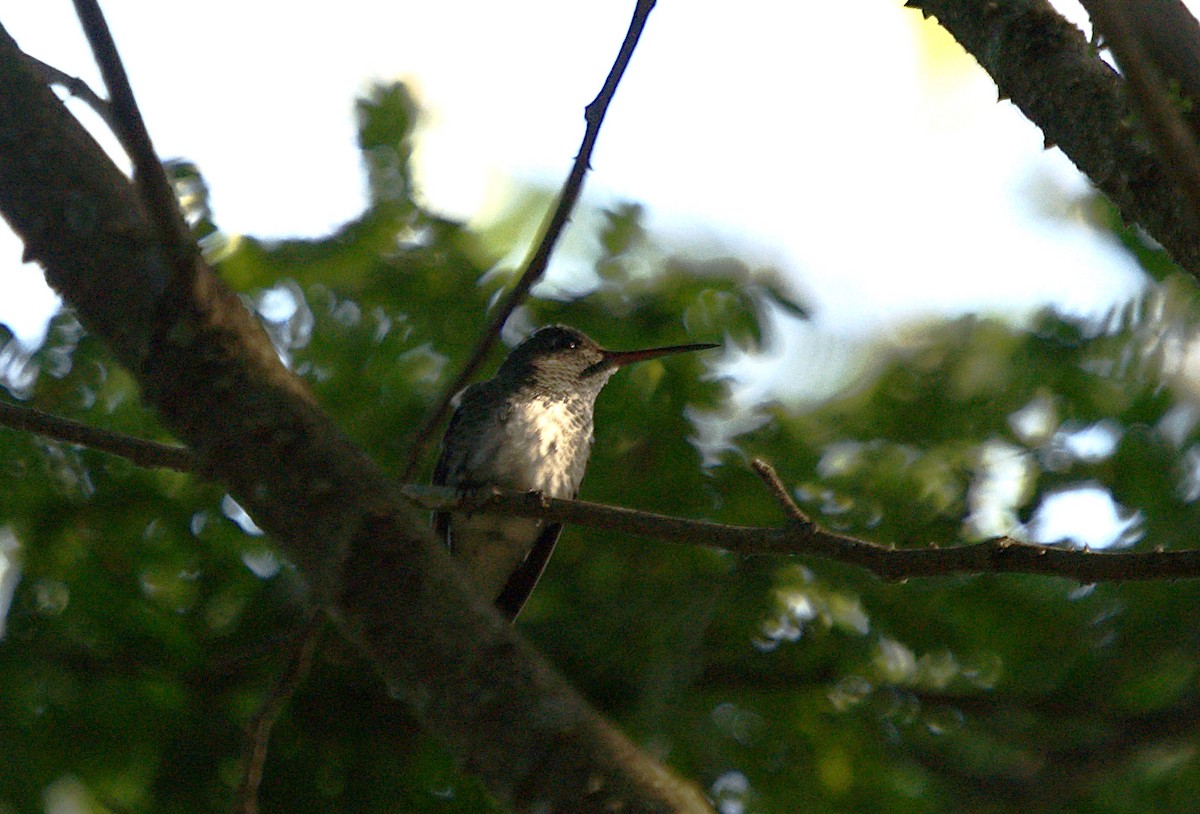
(441, 476)
(453, 463)
(520, 585)
(453, 450)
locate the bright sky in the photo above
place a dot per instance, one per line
(845, 142)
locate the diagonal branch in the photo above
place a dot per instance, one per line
(536, 265)
(1175, 142)
(300, 653)
(130, 129)
(778, 490)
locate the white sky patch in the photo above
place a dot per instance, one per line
(67, 795)
(234, 511)
(1034, 423)
(1092, 443)
(1188, 488)
(774, 150)
(998, 490)
(1085, 515)
(1177, 423)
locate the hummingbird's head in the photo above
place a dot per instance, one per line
(556, 357)
(559, 357)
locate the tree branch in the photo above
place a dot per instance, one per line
(149, 454)
(800, 537)
(777, 490)
(1047, 68)
(1175, 142)
(535, 266)
(999, 556)
(258, 732)
(77, 88)
(130, 129)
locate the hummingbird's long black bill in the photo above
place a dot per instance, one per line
(621, 358)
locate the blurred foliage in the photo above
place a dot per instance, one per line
(149, 618)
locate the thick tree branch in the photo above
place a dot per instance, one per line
(1169, 36)
(1047, 68)
(217, 383)
(1175, 142)
(535, 266)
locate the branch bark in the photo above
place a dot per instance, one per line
(211, 373)
(1175, 142)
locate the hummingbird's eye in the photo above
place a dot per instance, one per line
(558, 340)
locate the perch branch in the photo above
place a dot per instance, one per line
(800, 537)
(999, 556)
(536, 265)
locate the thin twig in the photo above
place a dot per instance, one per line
(536, 265)
(1002, 555)
(77, 88)
(1174, 139)
(258, 731)
(778, 490)
(130, 129)
(150, 454)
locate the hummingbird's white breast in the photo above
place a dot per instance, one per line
(536, 445)
(545, 447)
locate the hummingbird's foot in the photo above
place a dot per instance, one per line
(474, 498)
(538, 499)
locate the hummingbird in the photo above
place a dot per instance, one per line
(527, 429)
